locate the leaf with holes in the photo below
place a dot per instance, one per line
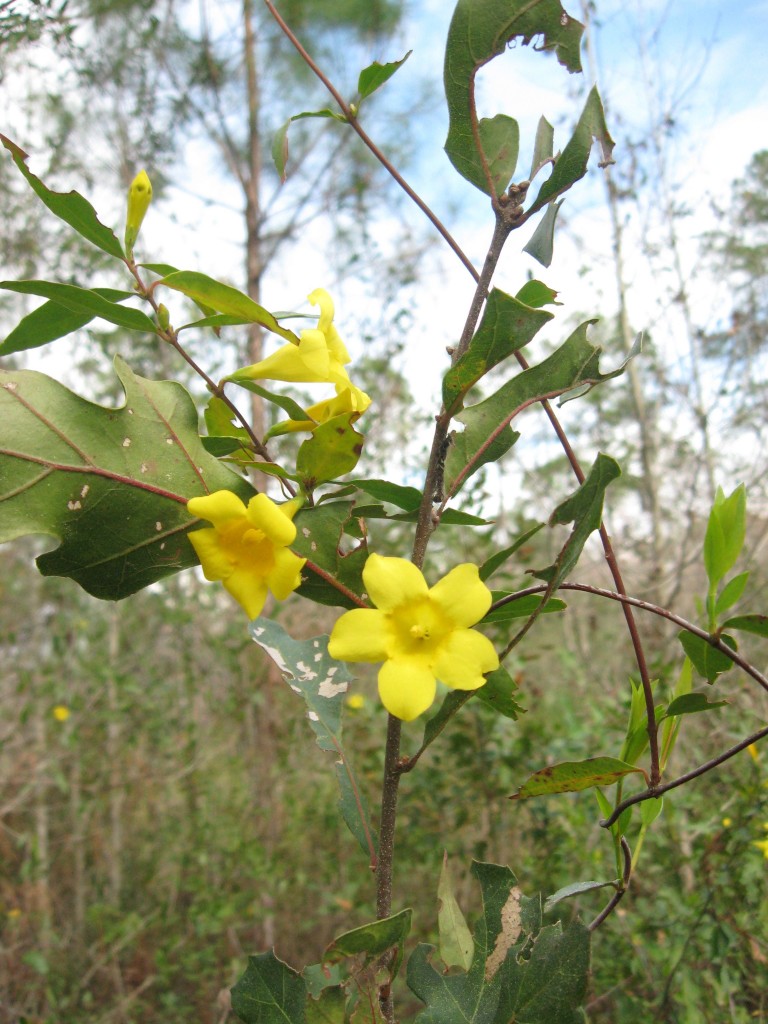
(322, 682)
(519, 971)
(110, 484)
(480, 30)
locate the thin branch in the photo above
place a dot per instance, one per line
(656, 791)
(619, 894)
(368, 141)
(712, 639)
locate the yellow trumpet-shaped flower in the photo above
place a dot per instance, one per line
(139, 198)
(421, 634)
(319, 356)
(247, 548)
(349, 399)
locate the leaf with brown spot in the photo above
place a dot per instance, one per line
(573, 776)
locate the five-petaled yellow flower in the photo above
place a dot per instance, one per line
(247, 548)
(61, 712)
(319, 356)
(349, 399)
(421, 634)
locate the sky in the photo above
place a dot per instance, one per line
(701, 62)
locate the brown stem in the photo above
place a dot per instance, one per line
(613, 566)
(712, 639)
(368, 141)
(385, 865)
(620, 892)
(656, 791)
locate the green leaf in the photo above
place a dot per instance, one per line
(650, 810)
(519, 972)
(224, 299)
(322, 682)
(52, 321)
(329, 1007)
(537, 294)
(110, 484)
(571, 165)
(375, 75)
(294, 410)
(70, 207)
(543, 146)
(507, 325)
(487, 435)
(757, 624)
(725, 534)
(490, 566)
(576, 888)
(708, 661)
(270, 992)
(542, 242)
(522, 607)
(731, 593)
(584, 509)
(480, 30)
(691, 704)
(456, 946)
(216, 320)
(85, 301)
(498, 694)
(319, 538)
(280, 140)
(332, 451)
(574, 776)
(408, 498)
(372, 940)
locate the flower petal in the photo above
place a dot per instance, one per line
(407, 687)
(249, 590)
(305, 363)
(264, 514)
(218, 508)
(363, 634)
(462, 659)
(462, 596)
(285, 577)
(216, 563)
(391, 582)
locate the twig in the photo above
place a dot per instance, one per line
(652, 792)
(620, 892)
(368, 141)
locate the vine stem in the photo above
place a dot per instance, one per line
(654, 609)
(351, 119)
(620, 891)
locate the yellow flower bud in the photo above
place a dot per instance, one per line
(139, 198)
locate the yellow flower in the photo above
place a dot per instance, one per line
(61, 713)
(762, 844)
(349, 399)
(139, 198)
(319, 356)
(420, 634)
(247, 548)
(753, 752)
(727, 822)
(355, 701)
